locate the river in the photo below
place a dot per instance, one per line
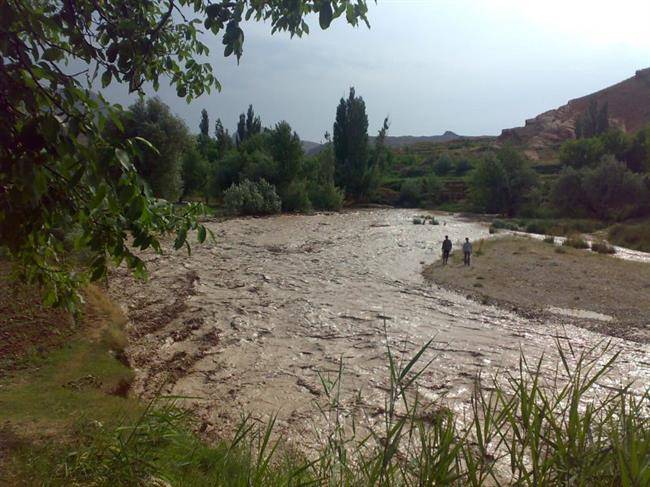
(245, 324)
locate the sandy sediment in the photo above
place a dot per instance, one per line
(248, 323)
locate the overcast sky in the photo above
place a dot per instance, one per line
(470, 66)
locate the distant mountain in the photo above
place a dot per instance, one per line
(395, 142)
(308, 146)
(629, 109)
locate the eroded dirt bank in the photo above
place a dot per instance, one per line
(245, 325)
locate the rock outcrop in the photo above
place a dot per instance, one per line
(629, 109)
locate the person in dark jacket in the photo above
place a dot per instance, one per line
(446, 249)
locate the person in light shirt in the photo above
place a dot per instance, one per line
(467, 252)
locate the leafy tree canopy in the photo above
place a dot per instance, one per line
(59, 168)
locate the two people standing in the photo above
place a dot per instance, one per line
(446, 250)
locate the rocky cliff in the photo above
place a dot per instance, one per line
(629, 110)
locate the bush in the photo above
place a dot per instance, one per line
(410, 193)
(252, 198)
(576, 241)
(295, 197)
(443, 165)
(549, 240)
(326, 197)
(418, 221)
(602, 247)
(504, 225)
(462, 167)
(612, 191)
(582, 153)
(636, 237)
(502, 184)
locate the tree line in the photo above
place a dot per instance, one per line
(257, 169)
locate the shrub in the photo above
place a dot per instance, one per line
(433, 221)
(462, 167)
(576, 241)
(504, 225)
(295, 197)
(443, 165)
(612, 191)
(602, 247)
(410, 193)
(636, 237)
(550, 239)
(536, 227)
(582, 153)
(417, 221)
(326, 197)
(501, 184)
(252, 198)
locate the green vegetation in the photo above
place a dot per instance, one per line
(576, 241)
(594, 121)
(634, 236)
(546, 431)
(502, 184)
(252, 198)
(68, 162)
(602, 247)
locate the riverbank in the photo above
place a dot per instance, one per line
(538, 279)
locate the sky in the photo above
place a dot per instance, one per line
(470, 66)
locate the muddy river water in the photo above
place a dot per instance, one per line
(245, 324)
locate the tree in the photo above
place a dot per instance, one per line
(204, 126)
(593, 121)
(59, 169)
(500, 184)
(161, 168)
(581, 153)
(612, 191)
(224, 141)
(286, 149)
(253, 122)
(566, 194)
(249, 124)
(323, 193)
(443, 165)
(638, 155)
(194, 173)
(351, 144)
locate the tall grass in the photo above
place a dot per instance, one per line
(635, 237)
(528, 427)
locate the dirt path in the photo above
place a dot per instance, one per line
(246, 324)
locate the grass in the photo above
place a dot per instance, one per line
(556, 227)
(576, 241)
(632, 236)
(525, 427)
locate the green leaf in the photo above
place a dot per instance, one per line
(180, 238)
(325, 15)
(123, 157)
(202, 234)
(52, 54)
(106, 78)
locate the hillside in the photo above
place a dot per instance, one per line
(394, 141)
(629, 110)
